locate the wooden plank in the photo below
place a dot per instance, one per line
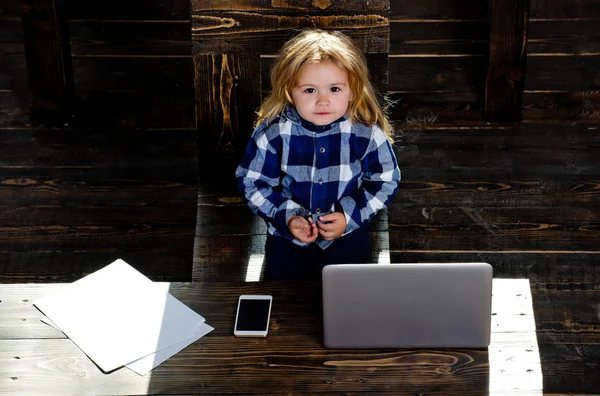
(378, 71)
(438, 10)
(100, 155)
(11, 36)
(161, 75)
(73, 199)
(463, 168)
(14, 109)
(127, 99)
(68, 187)
(68, 266)
(570, 368)
(563, 37)
(544, 269)
(560, 161)
(429, 109)
(134, 110)
(510, 189)
(58, 219)
(11, 9)
(246, 32)
(568, 315)
(227, 95)
(13, 112)
(563, 73)
(130, 38)
(227, 216)
(48, 56)
(228, 257)
(433, 191)
(170, 10)
(507, 55)
(528, 137)
(493, 229)
(568, 330)
(19, 315)
(564, 9)
(459, 74)
(289, 5)
(513, 366)
(13, 73)
(439, 37)
(562, 106)
(239, 368)
(66, 229)
(292, 357)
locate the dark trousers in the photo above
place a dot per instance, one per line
(286, 261)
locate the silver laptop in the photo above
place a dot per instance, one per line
(407, 305)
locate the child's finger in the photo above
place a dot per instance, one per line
(328, 217)
(327, 235)
(328, 226)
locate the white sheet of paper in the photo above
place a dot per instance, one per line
(144, 365)
(116, 315)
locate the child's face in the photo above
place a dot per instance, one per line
(322, 94)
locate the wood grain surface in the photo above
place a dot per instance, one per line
(73, 200)
(35, 358)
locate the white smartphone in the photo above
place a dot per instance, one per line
(253, 314)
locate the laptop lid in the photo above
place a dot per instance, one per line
(424, 305)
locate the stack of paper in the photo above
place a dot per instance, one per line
(118, 317)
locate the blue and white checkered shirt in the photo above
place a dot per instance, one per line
(293, 167)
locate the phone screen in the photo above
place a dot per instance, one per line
(253, 315)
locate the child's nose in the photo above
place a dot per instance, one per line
(323, 99)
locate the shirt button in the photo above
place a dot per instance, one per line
(322, 150)
(318, 211)
(320, 181)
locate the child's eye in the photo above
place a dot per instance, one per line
(336, 89)
(309, 90)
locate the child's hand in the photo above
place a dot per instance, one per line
(302, 229)
(332, 225)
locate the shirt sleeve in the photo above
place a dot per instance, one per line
(380, 178)
(259, 178)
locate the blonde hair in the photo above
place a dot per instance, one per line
(316, 46)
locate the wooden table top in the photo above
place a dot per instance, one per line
(36, 359)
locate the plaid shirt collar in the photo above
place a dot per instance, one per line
(291, 114)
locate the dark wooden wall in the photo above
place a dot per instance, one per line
(524, 196)
(132, 65)
(439, 54)
(160, 75)
(120, 179)
(234, 44)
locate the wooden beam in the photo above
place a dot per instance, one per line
(508, 23)
(229, 43)
(48, 56)
(227, 90)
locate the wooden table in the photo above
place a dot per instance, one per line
(36, 359)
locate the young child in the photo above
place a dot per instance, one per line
(319, 163)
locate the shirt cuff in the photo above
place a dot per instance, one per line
(348, 207)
